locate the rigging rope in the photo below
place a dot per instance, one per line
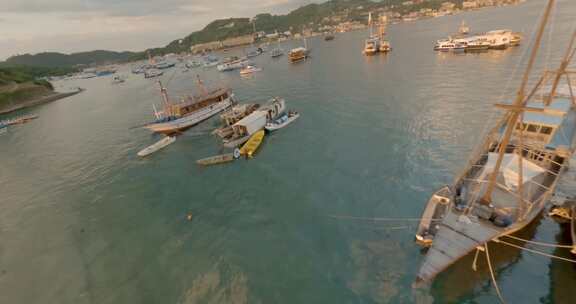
(535, 251)
(539, 243)
(378, 218)
(492, 275)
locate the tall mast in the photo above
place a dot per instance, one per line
(164, 92)
(517, 106)
(562, 70)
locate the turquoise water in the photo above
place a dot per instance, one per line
(83, 220)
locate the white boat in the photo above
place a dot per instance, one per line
(157, 146)
(249, 70)
(190, 111)
(151, 73)
(282, 121)
(243, 129)
(117, 80)
(233, 65)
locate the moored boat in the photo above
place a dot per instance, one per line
(298, 54)
(219, 159)
(190, 111)
(281, 121)
(252, 144)
(511, 177)
(161, 144)
(151, 73)
(249, 69)
(233, 63)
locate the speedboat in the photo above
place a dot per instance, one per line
(250, 69)
(151, 73)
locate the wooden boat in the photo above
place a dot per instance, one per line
(298, 54)
(219, 159)
(252, 144)
(191, 110)
(243, 129)
(164, 142)
(18, 120)
(282, 121)
(511, 177)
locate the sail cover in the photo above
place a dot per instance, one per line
(509, 169)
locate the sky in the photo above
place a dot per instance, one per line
(32, 26)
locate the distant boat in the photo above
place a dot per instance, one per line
(164, 142)
(371, 46)
(210, 61)
(298, 54)
(249, 69)
(233, 63)
(3, 128)
(192, 64)
(164, 65)
(117, 80)
(252, 144)
(151, 73)
(329, 37)
(282, 121)
(463, 29)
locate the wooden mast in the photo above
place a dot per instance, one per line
(517, 109)
(562, 70)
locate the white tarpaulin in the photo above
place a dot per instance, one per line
(509, 169)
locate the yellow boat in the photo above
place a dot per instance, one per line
(252, 144)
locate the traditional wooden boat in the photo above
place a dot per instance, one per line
(298, 54)
(161, 144)
(219, 159)
(252, 144)
(191, 110)
(510, 178)
(282, 121)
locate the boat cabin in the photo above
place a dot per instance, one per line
(193, 104)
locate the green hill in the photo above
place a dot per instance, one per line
(52, 59)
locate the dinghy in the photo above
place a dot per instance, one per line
(157, 146)
(219, 159)
(282, 121)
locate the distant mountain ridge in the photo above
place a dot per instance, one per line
(304, 17)
(54, 59)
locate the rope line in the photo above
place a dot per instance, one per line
(378, 218)
(539, 243)
(492, 275)
(535, 251)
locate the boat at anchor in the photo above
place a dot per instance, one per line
(512, 175)
(191, 110)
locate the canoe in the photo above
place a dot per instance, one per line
(281, 123)
(236, 142)
(218, 159)
(252, 144)
(157, 146)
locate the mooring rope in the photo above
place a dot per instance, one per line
(539, 243)
(377, 218)
(492, 275)
(535, 251)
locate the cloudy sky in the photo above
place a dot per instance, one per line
(31, 26)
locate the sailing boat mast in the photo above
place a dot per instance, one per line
(370, 24)
(167, 106)
(562, 70)
(517, 107)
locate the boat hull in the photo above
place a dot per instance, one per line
(183, 123)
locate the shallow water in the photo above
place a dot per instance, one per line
(83, 220)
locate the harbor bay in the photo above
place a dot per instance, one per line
(326, 210)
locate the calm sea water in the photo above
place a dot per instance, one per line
(83, 220)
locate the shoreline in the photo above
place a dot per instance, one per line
(40, 100)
